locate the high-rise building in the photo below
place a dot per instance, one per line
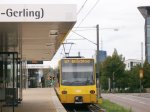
(145, 11)
(102, 55)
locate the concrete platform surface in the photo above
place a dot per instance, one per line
(40, 100)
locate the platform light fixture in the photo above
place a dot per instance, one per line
(50, 44)
(53, 32)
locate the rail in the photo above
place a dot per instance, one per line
(95, 108)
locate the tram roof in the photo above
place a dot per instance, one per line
(35, 31)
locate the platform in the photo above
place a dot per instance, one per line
(40, 100)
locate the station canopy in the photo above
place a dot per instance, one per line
(35, 31)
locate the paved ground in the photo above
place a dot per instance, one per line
(145, 95)
(40, 100)
(136, 102)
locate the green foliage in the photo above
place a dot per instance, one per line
(133, 79)
(146, 78)
(47, 72)
(113, 68)
(112, 107)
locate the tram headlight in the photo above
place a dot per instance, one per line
(64, 92)
(92, 91)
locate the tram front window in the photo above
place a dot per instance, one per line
(77, 74)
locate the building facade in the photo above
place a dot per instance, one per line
(29, 32)
(145, 11)
(130, 63)
(102, 56)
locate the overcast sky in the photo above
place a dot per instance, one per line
(109, 14)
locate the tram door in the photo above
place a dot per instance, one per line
(8, 80)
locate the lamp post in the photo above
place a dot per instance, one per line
(97, 56)
(97, 64)
(97, 61)
(141, 70)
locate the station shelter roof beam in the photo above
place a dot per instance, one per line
(35, 31)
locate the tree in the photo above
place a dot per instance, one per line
(146, 78)
(46, 75)
(133, 79)
(113, 68)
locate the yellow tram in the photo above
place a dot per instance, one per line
(77, 81)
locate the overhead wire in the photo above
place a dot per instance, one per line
(85, 18)
(86, 14)
(84, 37)
(89, 12)
(81, 9)
(82, 6)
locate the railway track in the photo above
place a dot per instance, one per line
(95, 108)
(84, 108)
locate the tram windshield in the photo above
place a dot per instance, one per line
(77, 72)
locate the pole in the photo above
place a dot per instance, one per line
(97, 63)
(109, 84)
(142, 54)
(113, 81)
(140, 86)
(141, 74)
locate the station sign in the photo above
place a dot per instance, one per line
(37, 66)
(34, 62)
(37, 13)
